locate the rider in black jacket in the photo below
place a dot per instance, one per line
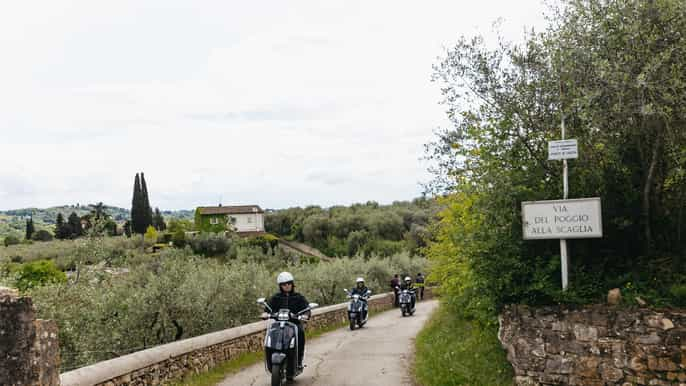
(295, 302)
(362, 290)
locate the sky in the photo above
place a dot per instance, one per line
(275, 103)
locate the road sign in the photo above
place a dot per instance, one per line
(565, 149)
(562, 219)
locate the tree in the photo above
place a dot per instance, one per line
(74, 225)
(41, 235)
(29, 228)
(616, 73)
(127, 228)
(158, 221)
(61, 228)
(147, 210)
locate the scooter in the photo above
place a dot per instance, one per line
(357, 308)
(281, 342)
(405, 299)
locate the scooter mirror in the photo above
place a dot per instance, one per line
(345, 290)
(313, 305)
(260, 301)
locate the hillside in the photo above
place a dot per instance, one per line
(13, 222)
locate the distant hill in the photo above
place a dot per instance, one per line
(13, 222)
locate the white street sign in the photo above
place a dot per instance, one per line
(562, 219)
(565, 149)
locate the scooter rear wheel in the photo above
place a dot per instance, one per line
(352, 324)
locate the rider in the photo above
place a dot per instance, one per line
(362, 290)
(295, 302)
(407, 285)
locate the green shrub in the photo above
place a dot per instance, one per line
(42, 235)
(678, 293)
(179, 238)
(210, 244)
(11, 240)
(38, 273)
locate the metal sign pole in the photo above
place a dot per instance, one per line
(563, 243)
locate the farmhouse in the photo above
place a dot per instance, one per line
(244, 219)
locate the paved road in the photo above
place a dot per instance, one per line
(378, 354)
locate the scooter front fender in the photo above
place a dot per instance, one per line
(278, 358)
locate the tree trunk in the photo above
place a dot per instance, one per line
(647, 191)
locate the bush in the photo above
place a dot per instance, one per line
(17, 259)
(179, 238)
(11, 240)
(210, 244)
(42, 235)
(38, 273)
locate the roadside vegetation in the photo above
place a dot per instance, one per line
(360, 229)
(110, 296)
(616, 73)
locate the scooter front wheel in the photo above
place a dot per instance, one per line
(352, 324)
(278, 374)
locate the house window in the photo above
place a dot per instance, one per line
(214, 221)
(249, 220)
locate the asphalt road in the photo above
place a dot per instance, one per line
(378, 354)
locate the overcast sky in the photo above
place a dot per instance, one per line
(277, 103)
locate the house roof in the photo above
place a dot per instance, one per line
(237, 209)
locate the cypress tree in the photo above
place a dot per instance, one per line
(137, 225)
(29, 228)
(60, 228)
(74, 229)
(147, 210)
(158, 220)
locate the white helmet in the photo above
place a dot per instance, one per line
(284, 277)
(407, 278)
(359, 280)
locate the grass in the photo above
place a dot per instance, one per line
(218, 373)
(452, 350)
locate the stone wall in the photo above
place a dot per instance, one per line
(195, 355)
(29, 349)
(596, 345)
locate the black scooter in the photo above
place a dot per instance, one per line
(356, 308)
(281, 342)
(405, 298)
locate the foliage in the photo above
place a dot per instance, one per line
(74, 225)
(150, 235)
(454, 350)
(141, 213)
(616, 73)
(29, 229)
(42, 235)
(179, 238)
(11, 240)
(366, 229)
(175, 295)
(158, 220)
(38, 273)
(211, 244)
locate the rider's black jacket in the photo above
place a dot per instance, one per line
(290, 300)
(360, 291)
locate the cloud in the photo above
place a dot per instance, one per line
(276, 103)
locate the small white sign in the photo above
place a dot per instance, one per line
(565, 149)
(562, 219)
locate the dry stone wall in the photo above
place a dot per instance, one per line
(596, 345)
(29, 349)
